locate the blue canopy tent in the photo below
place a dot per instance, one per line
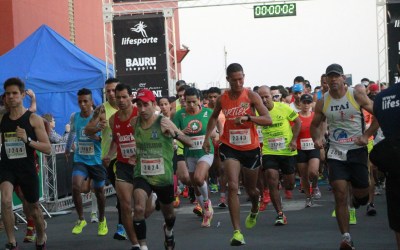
(55, 70)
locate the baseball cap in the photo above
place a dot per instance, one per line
(306, 97)
(334, 68)
(373, 87)
(298, 87)
(145, 95)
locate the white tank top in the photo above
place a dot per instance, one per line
(345, 120)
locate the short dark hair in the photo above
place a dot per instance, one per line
(193, 92)
(15, 81)
(323, 75)
(112, 80)
(180, 83)
(308, 85)
(234, 67)
(214, 90)
(163, 97)
(48, 117)
(85, 91)
(298, 79)
(275, 88)
(123, 86)
(183, 88)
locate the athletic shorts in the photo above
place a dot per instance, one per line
(303, 156)
(97, 173)
(165, 194)
(111, 172)
(24, 176)
(191, 162)
(355, 169)
(279, 162)
(249, 159)
(393, 201)
(124, 172)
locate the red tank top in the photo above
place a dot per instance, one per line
(304, 140)
(126, 146)
(239, 137)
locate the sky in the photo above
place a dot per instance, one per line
(273, 51)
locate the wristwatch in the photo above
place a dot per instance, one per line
(28, 140)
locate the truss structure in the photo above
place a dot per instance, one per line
(381, 25)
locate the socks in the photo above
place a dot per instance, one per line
(94, 202)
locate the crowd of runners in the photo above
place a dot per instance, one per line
(156, 150)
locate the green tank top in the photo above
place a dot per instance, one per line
(154, 152)
(198, 125)
(106, 133)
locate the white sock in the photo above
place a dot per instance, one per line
(94, 202)
(168, 233)
(203, 191)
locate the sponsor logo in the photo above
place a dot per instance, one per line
(142, 63)
(125, 138)
(195, 126)
(142, 85)
(139, 28)
(389, 102)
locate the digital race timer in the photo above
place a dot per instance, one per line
(275, 10)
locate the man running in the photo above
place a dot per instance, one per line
(239, 144)
(22, 132)
(347, 161)
(279, 149)
(153, 172)
(87, 162)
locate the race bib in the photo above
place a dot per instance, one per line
(128, 149)
(337, 154)
(197, 142)
(276, 143)
(85, 148)
(15, 147)
(307, 144)
(260, 135)
(152, 166)
(239, 137)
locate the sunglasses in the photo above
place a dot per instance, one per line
(276, 96)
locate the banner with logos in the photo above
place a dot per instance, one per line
(393, 38)
(140, 52)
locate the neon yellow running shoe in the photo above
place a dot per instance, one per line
(103, 229)
(251, 220)
(237, 239)
(80, 224)
(352, 216)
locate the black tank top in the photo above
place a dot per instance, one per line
(13, 149)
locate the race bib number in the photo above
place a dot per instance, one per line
(239, 137)
(337, 154)
(152, 166)
(128, 149)
(197, 142)
(85, 148)
(276, 143)
(15, 147)
(307, 144)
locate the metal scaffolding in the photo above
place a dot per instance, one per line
(381, 25)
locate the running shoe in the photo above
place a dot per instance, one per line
(267, 197)
(169, 242)
(30, 235)
(198, 210)
(334, 213)
(371, 211)
(309, 202)
(10, 246)
(263, 206)
(346, 244)
(80, 224)
(102, 229)
(280, 219)
(208, 214)
(93, 218)
(213, 188)
(353, 219)
(251, 219)
(135, 248)
(185, 192)
(120, 234)
(316, 193)
(222, 202)
(288, 194)
(177, 201)
(237, 239)
(41, 247)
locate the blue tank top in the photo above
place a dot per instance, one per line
(87, 151)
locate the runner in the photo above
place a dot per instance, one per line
(100, 122)
(279, 149)
(124, 143)
(154, 136)
(239, 144)
(347, 161)
(22, 132)
(193, 122)
(87, 162)
(307, 155)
